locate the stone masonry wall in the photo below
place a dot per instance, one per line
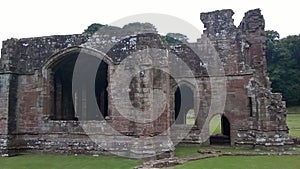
(4, 102)
(26, 85)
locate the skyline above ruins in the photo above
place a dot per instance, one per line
(22, 19)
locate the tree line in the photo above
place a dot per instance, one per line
(283, 63)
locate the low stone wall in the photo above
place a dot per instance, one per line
(3, 146)
(296, 140)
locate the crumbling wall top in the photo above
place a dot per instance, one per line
(252, 21)
(218, 21)
(27, 54)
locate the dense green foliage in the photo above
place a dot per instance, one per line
(170, 40)
(283, 59)
(93, 28)
(176, 38)
(140, 26)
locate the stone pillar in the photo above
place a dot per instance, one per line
(252, 35)
(5, 107)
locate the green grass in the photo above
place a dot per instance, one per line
(186, 151)
(190, 117)
(66, 162)
(190, 121)
(190, 151)
(244, 162)
(215, 125)
(293, 121)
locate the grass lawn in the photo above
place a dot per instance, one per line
(109, 162)
(293, 121)
(66, 162)
(190, 117)
(190, 151)
(215, 125)
(244, 162)
(186, 151)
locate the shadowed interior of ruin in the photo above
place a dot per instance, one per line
(63, 103)
(184, 101)
(224, 137)
(82, 100)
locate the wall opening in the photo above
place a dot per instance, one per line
(250, 106)
(89, 99)
(184, 105)
(101, 84)
(219, 130)
(63, 106)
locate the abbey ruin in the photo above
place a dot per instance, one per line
(50, 86)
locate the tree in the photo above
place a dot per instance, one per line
(178, 36)
(272, 43)
(283, 65)
(138, 26)
(93, 28)
(175, 38)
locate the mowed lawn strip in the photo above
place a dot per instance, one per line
(244, 162)
(66, 162)
(293, 121)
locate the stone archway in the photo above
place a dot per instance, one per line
(67, 103)
(220, 134)
(184, 102)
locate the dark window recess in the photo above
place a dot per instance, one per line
(90, 100)
(184, 101)
(250, 106)
(63, 103)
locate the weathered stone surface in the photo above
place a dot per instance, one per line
(33, 92)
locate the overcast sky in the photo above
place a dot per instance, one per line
(31, 18)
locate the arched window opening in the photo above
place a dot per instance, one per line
(62, 84)
(89, 98)
(184, 105)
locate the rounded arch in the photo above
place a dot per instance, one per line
(219, 129)
(67, 102)
(184, 104)
(57, 57)
(182, 82)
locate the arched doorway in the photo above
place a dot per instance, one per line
(184, 105)
(219, 130)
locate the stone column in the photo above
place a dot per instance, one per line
(7, 113)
